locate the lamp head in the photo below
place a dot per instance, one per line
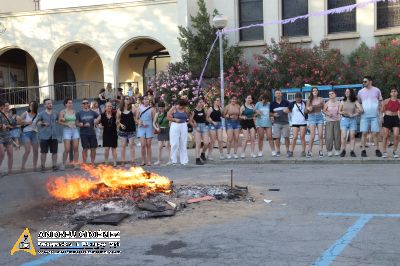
(220, 21)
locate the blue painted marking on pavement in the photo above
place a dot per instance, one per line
(355, 214)
(333, 251)
(43, 260)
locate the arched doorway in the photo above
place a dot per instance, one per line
(18, 71)
(77, 72)
(139, 60)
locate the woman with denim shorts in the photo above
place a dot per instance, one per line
(231, 114)
(350, 108)
(247, 116)
(126, 125)
(199, 123)
(29, 134)
(67, 118)
(264, 124)
(145, 117)
(214, 118)
(314, 106)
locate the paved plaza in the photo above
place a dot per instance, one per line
(339, 213)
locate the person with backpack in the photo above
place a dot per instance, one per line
(299, 124)
(29, 134)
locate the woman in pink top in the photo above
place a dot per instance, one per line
(332, 126)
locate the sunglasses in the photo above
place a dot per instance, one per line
(85, 103)
(365, 81)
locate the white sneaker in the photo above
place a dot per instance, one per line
(170, 163)
(235, 156)
(273, 153)
(157, 163)
(384, 155)
(243, 156)
(253, 155)
(330, 154)
(62, 167)
(209, 158)
(337, 153)
(222, 157)
(228, 156)
(395, 155)
(260, 154)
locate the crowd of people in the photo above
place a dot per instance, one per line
(138, 117)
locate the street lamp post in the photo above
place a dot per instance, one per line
(220, 22)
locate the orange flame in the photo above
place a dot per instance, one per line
(105, 181)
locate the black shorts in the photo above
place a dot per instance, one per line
(46, 143)
(299, 125)
(247, 124)
(89, 141)
(391, 121)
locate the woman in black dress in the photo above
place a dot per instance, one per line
(108, 121)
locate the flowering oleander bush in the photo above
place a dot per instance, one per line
(381, 61)
(287, 65)
(175, 83)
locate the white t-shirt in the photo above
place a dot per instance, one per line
(369, 99)
(297, 117)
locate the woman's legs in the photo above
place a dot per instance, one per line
(252, 141)
(395, 138)
(244, 141)
(386, 134)
(294, 140)
(197, 140)
(303, 131)
(220, 142)
(206, 141)
(148, 151)
(27, 147)
(67, 148)
(10, 158)
(114, 155)
(343, 136)
(213, 138)
(143, 149)
(159, 156)
(229, 141)
(236, 134)
(123, 150)
(312, 137)
(75, 144)
(106, 153)
(352, 140)
(260, 132)
(270, 139)
(321, 137)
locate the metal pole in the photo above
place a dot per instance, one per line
(221, 67)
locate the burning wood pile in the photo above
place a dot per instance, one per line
(105, 190)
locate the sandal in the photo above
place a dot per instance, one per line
(142, 164)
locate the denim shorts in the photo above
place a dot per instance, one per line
(214, 127)
(145, 132)
(315, 119)
(202, 128)
(15, 133)
(348, 124)
(30, 136)
(70, 133)
(232, 124)
(369, 123)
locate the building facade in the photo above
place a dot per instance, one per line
(46, 42)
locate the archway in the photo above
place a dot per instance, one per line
(138, 61)
(77, 72)
(18, 71)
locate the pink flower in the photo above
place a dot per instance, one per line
(395, 42)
